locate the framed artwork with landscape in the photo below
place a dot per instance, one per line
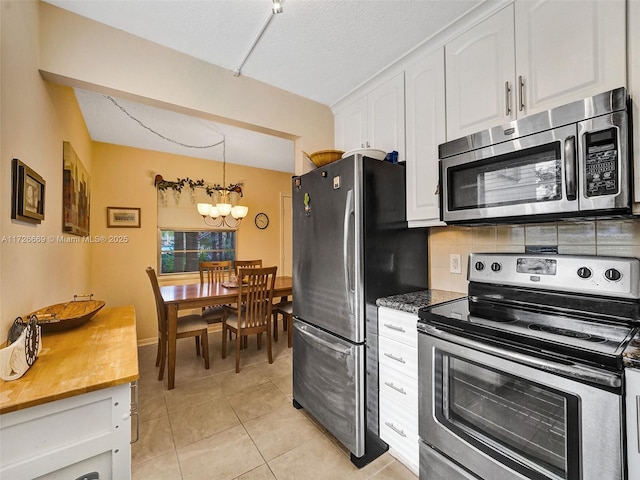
(27, 193)
(123, 217)
(76, 193)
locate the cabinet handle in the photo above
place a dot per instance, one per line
(393, 357)
(521, 92)
(134, 410)
(437, 192)
(393, 327)
(368, 146)
(507, 98)
(395, 429)
(397, 389)
(638, 420)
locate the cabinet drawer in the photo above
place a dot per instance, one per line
(398, 387)
(399, 428)
(400, 326)
(398, 356)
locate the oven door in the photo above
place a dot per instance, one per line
(532, 175)
(503, 419)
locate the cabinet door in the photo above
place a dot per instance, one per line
(385, 111)
(351, 125)
(632, 397)
(480, 72)
(567, 51)
(425, 130)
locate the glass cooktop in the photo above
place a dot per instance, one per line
(578, 335)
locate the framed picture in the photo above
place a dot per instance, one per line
(76, 193)
(123, 217)
(27, 193)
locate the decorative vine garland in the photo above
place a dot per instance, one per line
(210, 188)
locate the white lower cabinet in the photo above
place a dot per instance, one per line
(81, 437)
(398, 373)
(632, 398)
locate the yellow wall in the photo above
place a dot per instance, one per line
(80, 52)
(36, 118)
(38, 115)
(123, 177)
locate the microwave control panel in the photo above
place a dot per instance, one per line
(601, 163)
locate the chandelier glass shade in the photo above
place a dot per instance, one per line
(218, 215)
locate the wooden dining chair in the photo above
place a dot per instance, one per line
(210, 272)
(255, 316)
(238, 264)
(246, 264)
(284, 308)
(188, 326)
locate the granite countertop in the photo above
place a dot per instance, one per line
(412, 302)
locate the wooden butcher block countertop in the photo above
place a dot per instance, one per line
(99, 354)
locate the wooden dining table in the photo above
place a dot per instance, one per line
(197, 295)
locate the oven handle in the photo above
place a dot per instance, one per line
(573, 370)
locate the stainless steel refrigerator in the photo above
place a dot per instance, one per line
(351, 245)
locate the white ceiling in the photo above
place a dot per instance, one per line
(318, 49)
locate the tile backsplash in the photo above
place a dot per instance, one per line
(620, 238)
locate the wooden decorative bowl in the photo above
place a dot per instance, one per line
(63, 316)
(324, 157)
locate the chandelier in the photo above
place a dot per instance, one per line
(218, 215)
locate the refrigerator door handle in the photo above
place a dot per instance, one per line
(324, 343)
(348, 211)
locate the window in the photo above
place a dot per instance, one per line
(182, 250)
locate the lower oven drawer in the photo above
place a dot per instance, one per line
(399, 428)
(434, 466)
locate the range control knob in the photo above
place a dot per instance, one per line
(496, 267)
(479, 266)
(612, 274)
(584, 272)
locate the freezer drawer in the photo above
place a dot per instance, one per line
(328, 381)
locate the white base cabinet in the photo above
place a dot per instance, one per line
(84, 436)
(632, 399)
(398, 370)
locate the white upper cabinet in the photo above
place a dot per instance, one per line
(567, 51)
(532, 56)
(351, 125)
(425, 129)
(480, 65)
(375, 120)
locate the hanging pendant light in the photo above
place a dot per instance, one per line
(218, 215)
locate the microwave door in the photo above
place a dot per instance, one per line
(533, 175)
(603, 163)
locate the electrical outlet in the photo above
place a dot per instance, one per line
(454, 263)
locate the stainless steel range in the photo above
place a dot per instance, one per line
(523, 378)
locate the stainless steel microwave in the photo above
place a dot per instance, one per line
(571, 161)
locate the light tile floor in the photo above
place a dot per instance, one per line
(217, 424)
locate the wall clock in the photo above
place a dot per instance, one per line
(262, 221)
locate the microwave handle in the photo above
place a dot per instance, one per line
(570, 177)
